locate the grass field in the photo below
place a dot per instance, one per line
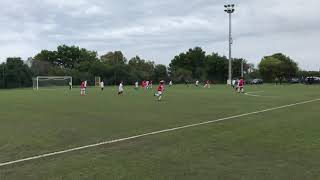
(277, 144)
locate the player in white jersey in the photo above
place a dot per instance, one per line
(234, 83)
(136, 85)
(197, 83)
(151, 84)
(70, 85)
(102, 85)
(170, 83)
(120, 89)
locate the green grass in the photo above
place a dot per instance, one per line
(279, 144)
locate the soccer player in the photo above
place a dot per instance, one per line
(197, 83)
(136, 85)
(82, 89)
(151, 84)
(147, 84)
(233, 83)
(240, 85)
(143, 84)
(187, 83)
(120, 89)
(207, 84)
(102, 85)
(170, 83)
(160, 90)
(70, 85)
(85, 83)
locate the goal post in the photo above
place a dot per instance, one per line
(51, 81)
(97, 81)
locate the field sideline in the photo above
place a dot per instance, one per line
(278, 144)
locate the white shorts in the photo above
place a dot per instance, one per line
(160, 92)
(83, 89)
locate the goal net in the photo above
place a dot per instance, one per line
(97, 81)
(52, 82)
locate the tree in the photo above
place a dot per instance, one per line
(47, 56)
(141, 69)
(236, 67)
(269, 68)
(2, 75)
(202, 67)
(114, 58)
(41, 68)
(217, 67)
(277, 66)
(118, 70)
(71, 56)
(253, 74)
(160, 73)
(17, 74)
(66, 60)
(308, 73)
(181, 75)
(68, 57)
(193, 60)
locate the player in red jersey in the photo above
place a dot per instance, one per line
(240, 85)
(160, 90)
(143, 84)
(207, 84)
(82, 89)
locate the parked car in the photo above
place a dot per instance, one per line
(312, 80)
(248, 81)
(294, 80)
(257, 81)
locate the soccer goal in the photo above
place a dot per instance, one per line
(52, 82)
(97, 81)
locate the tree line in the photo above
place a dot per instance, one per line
(81, 64)
(113, 67)
(195, 64)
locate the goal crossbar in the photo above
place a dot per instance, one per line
(45, 78)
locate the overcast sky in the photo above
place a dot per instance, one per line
(160, 29)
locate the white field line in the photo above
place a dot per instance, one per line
(150, 133)
(251, 93)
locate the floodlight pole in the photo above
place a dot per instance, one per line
(3, 75)
(230, 50)
(229, 8)
(242, 73)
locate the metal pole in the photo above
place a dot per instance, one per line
(242, 73)
(37, 83)
(71, 83)
(3, 76)
(230, 57)
(115, 72)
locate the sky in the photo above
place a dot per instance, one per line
(159, 30)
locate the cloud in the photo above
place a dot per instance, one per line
(158, 30)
